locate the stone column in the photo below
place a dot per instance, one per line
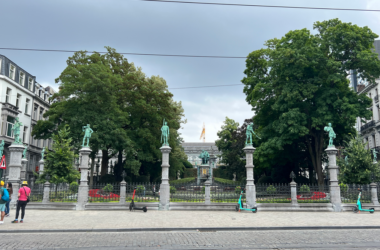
(24, 162)
(293, 190)
(83, 186)
(42, 164)
(32, 181)
(46, 197)
(15, 169)
(207, 192)
(374, 198)
(250, 189)
(212, 165)
(198, 176)
(333, 171)
(165, 187)
(123, 190)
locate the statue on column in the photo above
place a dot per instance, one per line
(178, 175)
(24, 152)
(87, 134)
(204, 156)
(1, 148)
(374, 155)
(332, 134)
(16, 130)
(249, 133)
(165, 133)
(42, 153)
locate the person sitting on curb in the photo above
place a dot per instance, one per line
(2, 202)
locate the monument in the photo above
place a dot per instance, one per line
(24, 162)
(87, 134)
(165, 187)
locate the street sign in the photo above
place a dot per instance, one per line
(3, 164)
(37, 168)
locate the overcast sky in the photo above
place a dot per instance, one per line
(166, 28)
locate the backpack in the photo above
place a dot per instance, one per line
(5, 196)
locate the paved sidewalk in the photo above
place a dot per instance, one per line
(51, 219)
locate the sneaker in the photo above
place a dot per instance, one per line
(1, 222)
(21, 221)
(7, 215)
(15, 221)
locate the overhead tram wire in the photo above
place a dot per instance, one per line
(261, 6)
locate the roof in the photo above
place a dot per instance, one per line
(198, 144)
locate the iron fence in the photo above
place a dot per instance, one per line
(228, 193)
(145, 192)
(350, 193)
(37, 193)
(187, 192)
(273, 193)
(104, 192)
(63, 193)
(313, 193)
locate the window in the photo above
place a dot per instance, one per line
(24, 134)
(0, 64)
(21, 79)
(35, 112)
(8, 96)
(41, 114)
(27, 106)
(10, 123)
(30, 84)
(373, 141)
(12, 70)
(18, 100)
(39, 93)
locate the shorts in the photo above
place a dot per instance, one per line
(2, 207)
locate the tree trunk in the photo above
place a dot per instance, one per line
(315, 147)
(105, 160)
(119, 166)
(92, 171)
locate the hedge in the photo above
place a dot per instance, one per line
(182, 181)
(225, 181)
(190, 172)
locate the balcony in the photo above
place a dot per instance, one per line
(368, 125)
(376, 98)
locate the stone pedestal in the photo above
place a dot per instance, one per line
(42, 165)
(46, 197)
(293, 190)
(31, 181)
(15, 169)
(83, 186)
(207, 192)
(24, 162)
(123, 190)
(374, 198)
(165, 187)
(250, 189)
(334, 187)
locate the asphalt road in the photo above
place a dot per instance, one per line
(277, 239)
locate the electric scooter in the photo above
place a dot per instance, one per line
(358, 206)
(240, 206)
(132, 206)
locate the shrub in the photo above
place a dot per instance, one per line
(108, 188)
(190, 172)
(238, 189)
(203, 189)
(107, 178)
(182, 181)
(343, 187)
(140, 189)
(224, 181)
(305, 189)
(265, 179)
(271, 189)
(173, 190)
(74, 187)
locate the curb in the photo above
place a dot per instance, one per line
(198, 229)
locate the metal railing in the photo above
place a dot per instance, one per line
(273, 193)
(313, 193)
(104, 192)
(37, 193)
(63, 193)
(145, 192)
(368, 125)
(229, 193)
(188, 192)
(350, 193)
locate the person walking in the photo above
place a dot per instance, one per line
(10, 191)
(2, 203)
(23, 199)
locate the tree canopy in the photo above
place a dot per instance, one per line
(299, 83)
(124, 107)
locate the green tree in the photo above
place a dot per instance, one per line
(59, 162)
(298, 84)
(359, 166)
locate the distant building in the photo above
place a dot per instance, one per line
(194, 149)
(369, 130)
(23, 97)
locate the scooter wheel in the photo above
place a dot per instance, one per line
(130, 207)
(254, 210)
(145, 209)
(372, 210)
(355, 209)
(237, 208)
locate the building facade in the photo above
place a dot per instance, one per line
(23, 97)
(194, 149)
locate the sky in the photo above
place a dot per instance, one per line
(167, 28)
